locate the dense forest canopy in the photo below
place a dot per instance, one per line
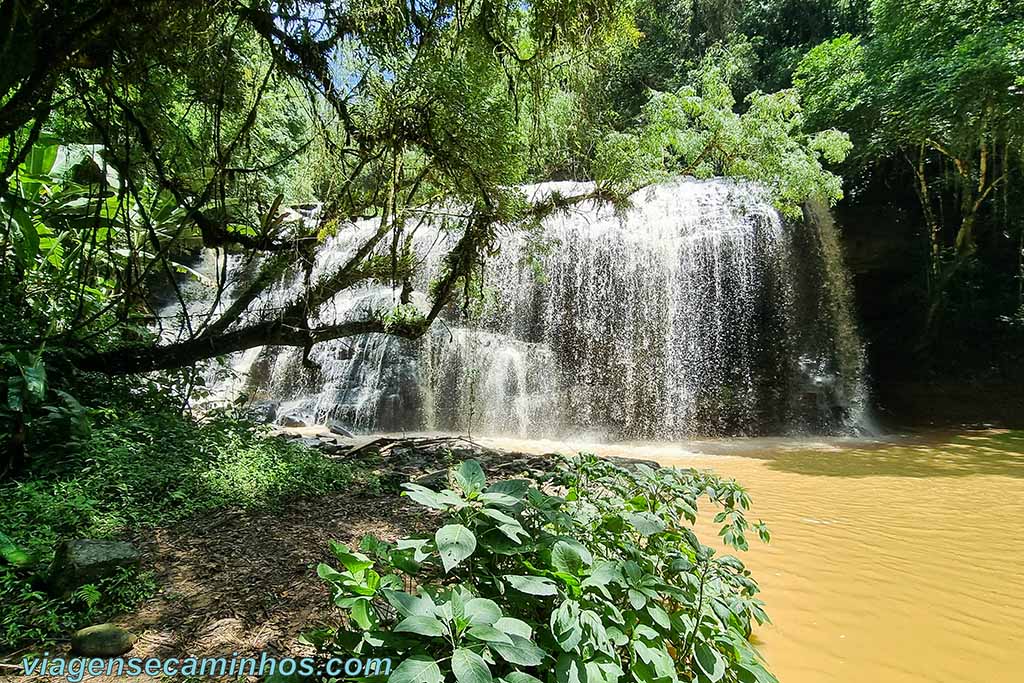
(132, 134)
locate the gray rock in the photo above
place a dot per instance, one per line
(632, 463)
(291, 420)
(435, 480)
(102, 640)
(311, 442)
(339, 430)
(264, 412)
(84, 560)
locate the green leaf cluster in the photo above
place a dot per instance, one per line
(699, 131)
(597, 578)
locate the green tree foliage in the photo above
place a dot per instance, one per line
(606, 582)
(677, 34)
(210, 111)
(674, 36)
(132, 134)
(698, 131)
(782, 31)
(833, 86)
(141, 465)
(938, 84)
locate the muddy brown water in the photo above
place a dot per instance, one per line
(895, 560)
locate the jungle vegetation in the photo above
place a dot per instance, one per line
(136, 133)
(133, 134)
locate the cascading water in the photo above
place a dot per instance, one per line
(697, 311)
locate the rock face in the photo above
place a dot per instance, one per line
(264, 412)
(338, 429)
(85, 560)
(291, 420)
(102, 640)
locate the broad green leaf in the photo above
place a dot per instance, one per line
(603, 670)
(421, 625)
(11, 553)
(410, 605)
(502, 499)
(570, 669)
(498, 516)
(500, 541)
(521, 677)
(567, 558)
(656, 657)
(470, 477)
(616, 636)
(514, 626)
(469, 667)
(681, 564)
(454, 543)
(509, 526)
(566, 626)
(522, 652)
(364, 615)
(417, 669)
(603, 573)
(645, 632)
(593, 625)
(514, 532)
(42, 155)
(420, 546)
(646, 523)
(517, 488)
(581, 550)
(328, 573)
(426, 497)
(752, 672)
(532, 585)
(354, 562)
(489, 634)
(659, 616)
(709, 660)
(26, 237)
(481, 612)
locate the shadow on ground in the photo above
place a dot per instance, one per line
(247, 583)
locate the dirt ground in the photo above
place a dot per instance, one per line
(245, 582)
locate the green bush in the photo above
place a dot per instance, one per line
(136, 469)
(32, 615)
(606, 582)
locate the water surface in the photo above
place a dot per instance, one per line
(899, 560)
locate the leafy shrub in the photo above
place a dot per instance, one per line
(136, 469)
(521, 586)
(32, 615)
(143, 469)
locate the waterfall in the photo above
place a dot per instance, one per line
(697, 310)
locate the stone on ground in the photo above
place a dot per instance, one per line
(292, 420)
(84, 560)
(102, 640)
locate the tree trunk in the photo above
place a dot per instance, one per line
(14, 449)
(147, 358)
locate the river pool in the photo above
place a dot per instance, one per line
(892, 560)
